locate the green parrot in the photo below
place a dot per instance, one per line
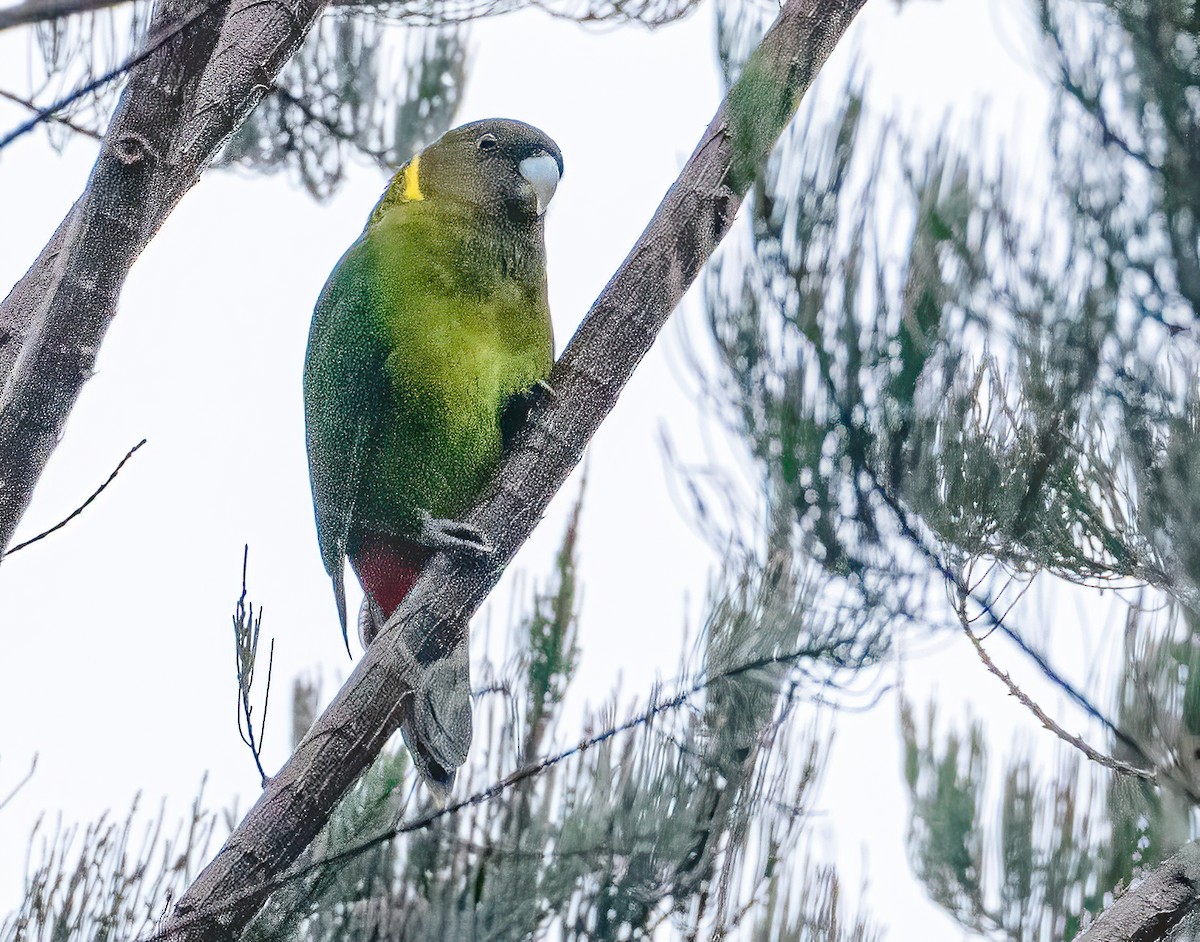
(428, 345)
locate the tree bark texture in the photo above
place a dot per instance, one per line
(1152, 909)
(211, 61)
(693, 217)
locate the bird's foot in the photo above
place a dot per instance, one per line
(452, 536)
(370, 621)
(437, 723)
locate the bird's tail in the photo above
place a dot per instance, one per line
(436, 717)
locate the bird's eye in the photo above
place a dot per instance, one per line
(488, 142)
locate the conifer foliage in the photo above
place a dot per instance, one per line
(954, 378)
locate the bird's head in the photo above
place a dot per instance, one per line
(497, 165)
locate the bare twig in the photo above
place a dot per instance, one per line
(21, 784)
(246, 627)
(82, 507)
(694, 216)
(1116, 765)
(994, 618)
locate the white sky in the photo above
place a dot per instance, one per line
(115, 660)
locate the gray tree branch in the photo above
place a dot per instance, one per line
(693, 217)
(211, 62)
(1151, 909)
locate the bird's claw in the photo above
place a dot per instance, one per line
(452, 536)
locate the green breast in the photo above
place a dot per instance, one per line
(466, 325)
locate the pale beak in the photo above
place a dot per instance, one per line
(542, 173)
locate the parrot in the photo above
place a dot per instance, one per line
(429, 344)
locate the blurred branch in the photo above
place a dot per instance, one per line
(694, 216)
(82, 507)
(1089, 101)
(178, 107)
(58, 119)
(345, 103)
(910, 528)
(1151, 909)
(417, 12)
(45, 11)
(153, 44)
(379, 156)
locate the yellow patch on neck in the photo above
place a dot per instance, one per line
(405, 187)
(411, 176)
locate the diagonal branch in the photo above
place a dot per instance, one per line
(55, 117)
(1077, 742)
(1152, 908)
(82, 507)
(208, 63)
(694, 216)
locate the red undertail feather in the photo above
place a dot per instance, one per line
(387, 567)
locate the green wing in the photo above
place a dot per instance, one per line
(343, 397)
